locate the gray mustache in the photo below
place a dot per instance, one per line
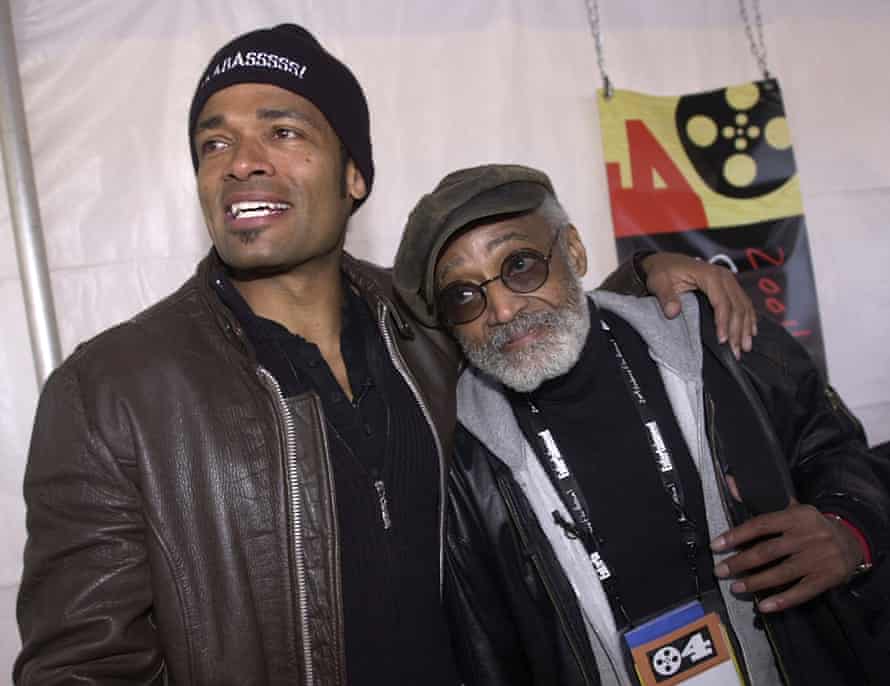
(519, 326)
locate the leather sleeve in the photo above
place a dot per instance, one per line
(84, 605)
(815, 449)
(628, 278)
(831, 465)
(486, 643)
(832, 469)
(508, 624)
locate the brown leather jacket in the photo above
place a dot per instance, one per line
(180, 512)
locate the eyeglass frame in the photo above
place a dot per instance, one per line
(500, 276)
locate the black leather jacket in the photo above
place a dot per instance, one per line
(180, 514)
(516, 616)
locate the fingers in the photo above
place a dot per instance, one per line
(755, 528)
(797, 553)
(750, 324)
(670, 274)
(760, 555)
(737, 333)
(667, 295)
(800, 593)
(733, 488)
(662, 271)
(802, 575)
(733, 311)
(722, 306)
(670, 306)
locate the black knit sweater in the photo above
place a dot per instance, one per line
(379, 443)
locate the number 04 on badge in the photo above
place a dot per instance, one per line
(683, 646)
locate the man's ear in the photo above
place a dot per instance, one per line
(355, 182)
(577, 252)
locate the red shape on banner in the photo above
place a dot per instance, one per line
(643, 208)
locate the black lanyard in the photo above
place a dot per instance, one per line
(573, 498)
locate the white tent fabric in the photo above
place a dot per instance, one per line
(107, 85)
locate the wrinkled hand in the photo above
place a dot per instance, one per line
(807, 550)
(670, 274)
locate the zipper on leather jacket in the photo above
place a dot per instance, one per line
(719, 472)
(840, 409)
(505, 490)
(399, 363)
(295, 502)
(710, 433)
(383, 503)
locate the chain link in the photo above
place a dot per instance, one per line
(753, 32)
(593, 16)
(758, 46)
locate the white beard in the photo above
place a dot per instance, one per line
(553, 354)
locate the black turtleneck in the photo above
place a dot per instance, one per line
(598, 429)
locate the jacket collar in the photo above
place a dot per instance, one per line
(373, 283)
(674, 343)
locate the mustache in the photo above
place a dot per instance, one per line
(521, 324)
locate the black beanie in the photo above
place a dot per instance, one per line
(290, 57)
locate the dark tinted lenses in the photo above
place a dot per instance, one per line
(522, 271)
(461, 303)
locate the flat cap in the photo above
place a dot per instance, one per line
(463, 197)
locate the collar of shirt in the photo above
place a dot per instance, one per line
(264, 333)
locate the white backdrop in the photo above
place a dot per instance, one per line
(107, 85)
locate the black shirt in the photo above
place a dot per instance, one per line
(596, 425)
(379, 442)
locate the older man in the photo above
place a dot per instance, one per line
(627, 500)
(244, 484)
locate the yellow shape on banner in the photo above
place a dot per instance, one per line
(657, 114)
(742, 97)
(740, 170)
(702, 130)
(778, 134)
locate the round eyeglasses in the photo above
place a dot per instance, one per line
(522, 271)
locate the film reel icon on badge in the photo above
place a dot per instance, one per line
(737, 138)
(682, 654)
(666, 661)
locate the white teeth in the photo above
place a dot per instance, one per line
(247, 214)
(252, 208)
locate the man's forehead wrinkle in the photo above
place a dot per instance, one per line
(266, 113)
(215, 121)
(490, 246)
(448, 266)
(211, 122)
(497, 241)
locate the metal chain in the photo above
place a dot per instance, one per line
(593, 16)
(758, 46)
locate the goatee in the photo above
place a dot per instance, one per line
(562, 334)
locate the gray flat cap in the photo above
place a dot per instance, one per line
(463, 197)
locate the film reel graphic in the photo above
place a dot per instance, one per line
(738, 139)
(667, 661)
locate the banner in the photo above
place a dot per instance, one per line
(712, 175)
